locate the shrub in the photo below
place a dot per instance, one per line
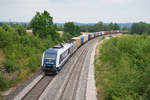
(34, 62)
(66, 36)
(103, 37)
(22, 49)
(3, 38)
(10, 66)
(4, 82)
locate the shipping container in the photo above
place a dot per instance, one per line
(91, 35)
(82, 39)
(98, 33)
(118, 31)
(78, 41)
(101, 33)
(94, 34)
(85, 37)
(114, 31)
(107, 32)
(88, 36)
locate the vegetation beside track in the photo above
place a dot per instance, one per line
(20, 53)
(122, 68)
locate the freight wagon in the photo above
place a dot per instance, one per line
(54, 58)
(82, 39)
(85, 37)
(78, 41)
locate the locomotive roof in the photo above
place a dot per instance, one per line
(51, 50)
(56, 50)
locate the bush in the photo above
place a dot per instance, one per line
(125, 68)
(3, 38)
(103, 37)
(23, 49)
(34, 62)
(10, 66)
(66, 36)
(4, 82)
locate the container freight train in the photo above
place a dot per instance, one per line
(54, 58)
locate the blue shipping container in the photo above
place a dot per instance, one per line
(94, 34)
(88, 36)
(82, 39)
(101, 34)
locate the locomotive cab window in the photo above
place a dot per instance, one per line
(50, 56)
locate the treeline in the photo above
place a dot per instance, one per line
(140, 28)
(100, 26)
(70, 30)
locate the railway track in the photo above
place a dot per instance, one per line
(66, 83)
(38, 89)
(64, 86)
(70, 88)
(72, 82)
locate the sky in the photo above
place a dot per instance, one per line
(83, 11)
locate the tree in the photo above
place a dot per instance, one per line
(99, 26)
(84, 28)
(66, 36)
(116, 27)
(1, 24)
(42, 25)
(5, 27)
(124, 28)
(140, 28)
(59, 28)
(71, 28)
(20, 30)
(77, 31)
(111, 27)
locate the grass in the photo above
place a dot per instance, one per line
(4, 82)
(1, 96)
(122, 68)
(103, 37)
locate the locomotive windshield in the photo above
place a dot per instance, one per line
(50, 56)
(50, 59)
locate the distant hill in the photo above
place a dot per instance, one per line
(76, 23)
(20, 23)
(128, 25)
